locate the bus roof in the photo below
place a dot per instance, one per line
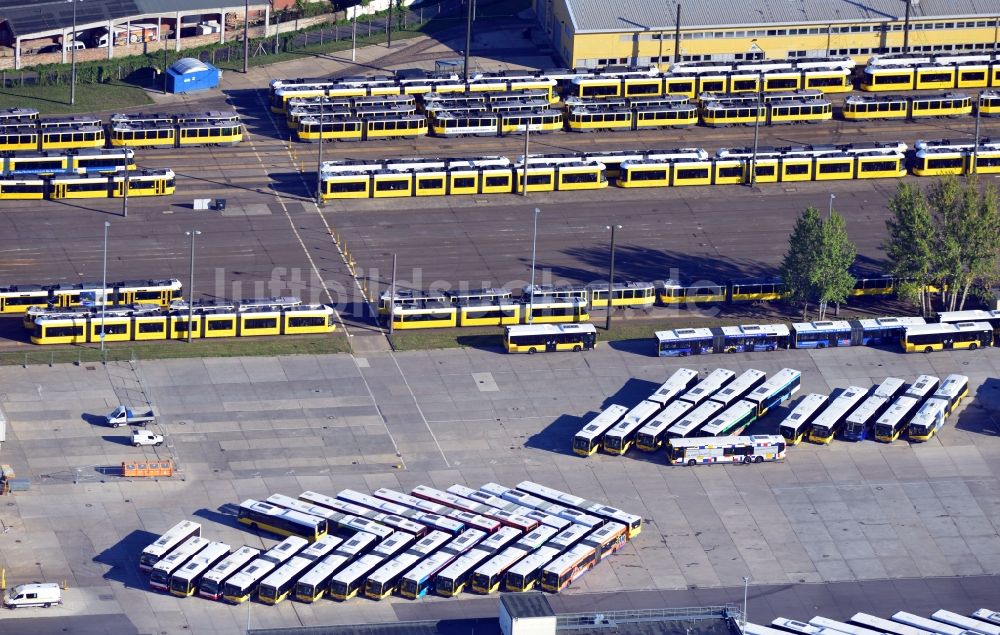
(603, 421)
(950, 327)
(567, 559)
(891, 322)
(360, 567)
(534, 561)
(285, 549)
(928, 412)
(923, 386)
(321, 547)
(549, 329)
(395, 567)
(287, 571)
(636, 417)
(721, 423)
(777, 381)
(324, 570)
(889, 388)
(502, 561)
(680, 381)
(232, 563)
(826, 326)
(974, 315)
(667, 416)
(254, 571)
(902, 407)
(952, 386)
(739, 385)
(706, 387)
(867, 410)
(755, 329)
(180, 555)
(695, 418)
(429, 566)
(203, 560)
(465, 562)
(429, 543)
(464, 541)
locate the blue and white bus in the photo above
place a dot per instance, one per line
(420, 579)
(885, 330)
(821, 334)
(753, 338)
(779, 388)
(684, 342)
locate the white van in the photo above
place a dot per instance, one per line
(45, 595)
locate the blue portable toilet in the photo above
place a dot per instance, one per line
(189, 74)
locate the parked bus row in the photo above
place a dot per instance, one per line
(20, 133)
(427, 541)
(941, 622)
(885, 413)
(696, 421)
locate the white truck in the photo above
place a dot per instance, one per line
(45, 594)
(121, 416)
(145, 437)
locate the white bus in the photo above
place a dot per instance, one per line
(850, 629)
(545, 519)
(279, 584)
(284, 550)
(707, 387)
(346, 583)
(796, 626)
(488, 576)
(238, 588)
(525, 574)
(464, 541)
(682, 380)
(797, 423)
(953, 389)
(536, 538)
(159, 577)
(692, 420)
(321, 548)
(862, 419)
(419, 580)
(429, 543)
(887, 626)
(778, 389)
(829, 422)
(620, 438)
(928, 420)
(167, 543)
(384, 580)
(589, 439)
(889, 389)
(184, 582)
(752, 449)
(393, 545)
(534, 338)
(896, 418)
(450, 581)
(731, 421)
(357, 545)
(568, 538)
(650, 436)
(740, 387)
(923, 387)
(986, 615)
(955, 619)
(315, 582)
(927, 624)
(212, 582)
(632, 522)
(756, 629)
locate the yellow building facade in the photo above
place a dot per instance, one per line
(591, 33)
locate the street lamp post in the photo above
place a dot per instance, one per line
(125, 185)
(354, 35)
(72, 72)
(319, 157)
(165, 39)
(829, 212)
(531, 289)
(527, 134)
(611, 274)
(246, 35)
(975, 147)
(104, 284)
(756, 128)
(746, 583)
(192, 234)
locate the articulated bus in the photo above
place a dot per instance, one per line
(933, 413)
(411, 501)
(547, 519)
(384, 580)
(886, 626)
(450, 581)
(346, 583)
(752, 449)
(279, 584)
(316, 581)
(184, 583)
(620, 438)
(159, 577)
(732, 421)
(716, 380)
(525, 574)
(607, 540)
(821, 334)
(419, 580)
(487, 578)
(212, 582)
(283, 522)
(632, 522)
(938, 337)
(567, 568)
(681, 381)
(238, 588)
(167, 543)
(307, 507)
(285, 550)
(739, 387)
(895, 420)
(776, 390)
(650, 436)
(864, 419)
(589, 439)
(476, 521)
(693, 420)
(968, 623)
(799, 420)
(927, 625)
(829, 422)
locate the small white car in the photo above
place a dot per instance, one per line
(145, 437)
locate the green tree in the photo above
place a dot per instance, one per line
(830, 275)
(798, 263)
(910, 244)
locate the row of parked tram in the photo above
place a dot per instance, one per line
(394, 178)
(21, 129)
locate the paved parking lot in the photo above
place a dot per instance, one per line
(242, 428)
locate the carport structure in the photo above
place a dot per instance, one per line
(26, 22)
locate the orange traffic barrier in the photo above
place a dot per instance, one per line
(148, 468)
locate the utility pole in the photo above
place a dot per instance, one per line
(756, 129)
(906, 28)
(531, 289)
(319, 160)
(975, 148)
(392, 295)
(190, 323)
(388, 43)
(246, 35)
(72, 58)
(677, 35)
(104, 285)
(468, 38)
(611, 274)
(163, 35)
(125, 184)
(829, 212)
(527, 133)
(746, 583)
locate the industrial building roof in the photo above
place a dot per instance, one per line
(28, 18)
(595, 16)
